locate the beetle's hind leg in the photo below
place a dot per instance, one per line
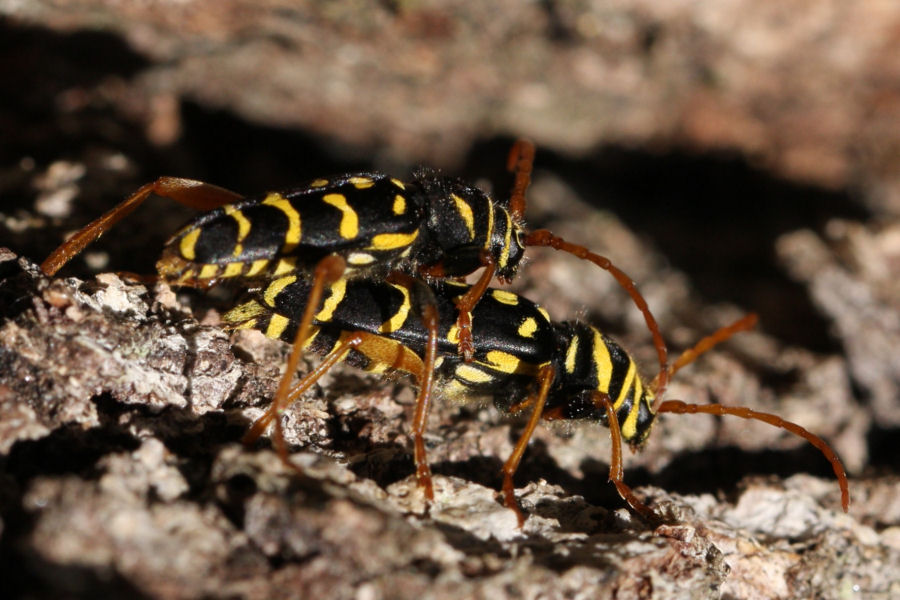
(189, 192)
(328, 270)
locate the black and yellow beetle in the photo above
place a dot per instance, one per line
(431, 227)
(361, 226)
(522, 360)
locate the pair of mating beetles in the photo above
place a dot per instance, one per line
(362, 268)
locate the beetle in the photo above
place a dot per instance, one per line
(430, 227)
(523, 361)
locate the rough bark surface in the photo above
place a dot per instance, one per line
(122, 405)
(806, 89)
(121, 415)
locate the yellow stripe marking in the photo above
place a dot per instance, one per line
(399, 318)
(490, 225)
(285, 265)
(504, 254)
(392, 241)
(245, 311)
(187, 244)
(456, 391)
(505, 362)
(504, 297)
(453, 334)
(208, 271)
(233, 269)
(313, 332)
(319, 183)
(571, 355)
(257, 267)
(248, 324)
(543, 312)
(338, 289)
(626, 385)
(349, 227)
(602, 362)
(528, 327)
(465, 213)
(472, 374)
(292, 237)
(277, 325)
(399, 205)
(242, 222)
(361, 183)
(629, 427)
(276, 287)
(398, 183)
(243, 228)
